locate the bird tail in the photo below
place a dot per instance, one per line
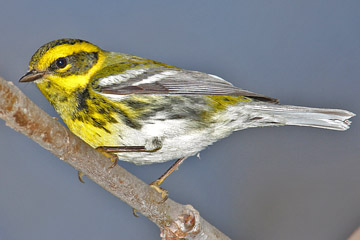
(334, 119)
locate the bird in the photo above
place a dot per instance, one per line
(144, 111)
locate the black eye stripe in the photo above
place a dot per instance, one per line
(75, 64)
(61, 62)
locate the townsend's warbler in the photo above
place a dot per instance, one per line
(149, 112)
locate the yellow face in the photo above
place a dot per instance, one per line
(66, 63)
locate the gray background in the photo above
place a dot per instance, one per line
(268, 183)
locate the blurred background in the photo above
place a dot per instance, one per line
(266, 183)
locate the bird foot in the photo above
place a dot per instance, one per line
(164, 193)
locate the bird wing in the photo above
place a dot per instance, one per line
(170, 81)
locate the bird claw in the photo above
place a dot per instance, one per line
(80, 176)
(135, 212)
(164, 193)
(113, 157)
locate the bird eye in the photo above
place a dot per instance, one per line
(61, 62)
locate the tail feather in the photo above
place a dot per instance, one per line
(334, 119)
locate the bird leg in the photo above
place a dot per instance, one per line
(110, 152)
(156, 184)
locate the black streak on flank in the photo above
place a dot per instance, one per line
(81, 100)
(82, 106)
(136, 104)
(63, 99)
(129, 122)
(255, 118)
(99, 124)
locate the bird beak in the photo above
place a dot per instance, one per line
(31, 76)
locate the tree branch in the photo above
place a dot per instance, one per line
(175, 220)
